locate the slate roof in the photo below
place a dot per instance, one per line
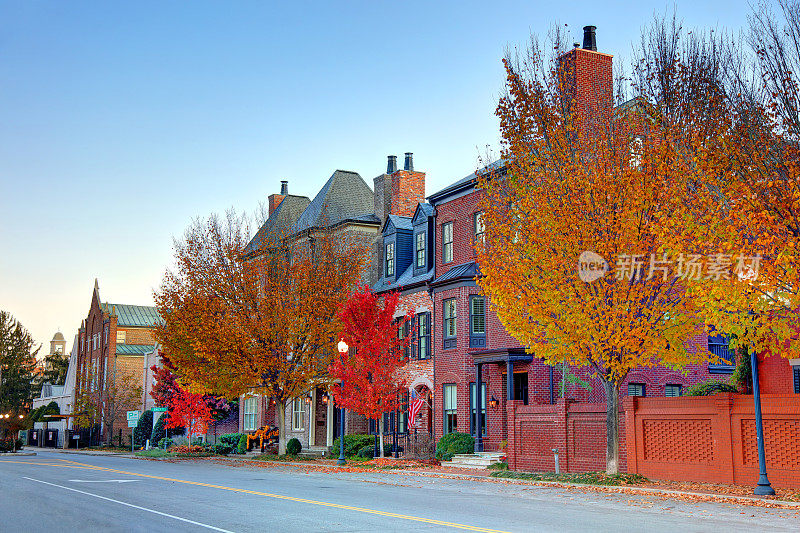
(134, 349)
(405, 279)
(426, 208)
(345, 196)
(137, 316)
(463, 271)
(279, 225)
(400, 222)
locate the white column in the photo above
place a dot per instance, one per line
(329, 421)
(312, 419)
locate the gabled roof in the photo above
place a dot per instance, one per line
(345, 196)
(134, 349)
(137, 316)
(405, 279)
(464, 183)
(401, 223)
(423, 208)
(464, 271)
(279, 225)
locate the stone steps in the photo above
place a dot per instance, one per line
(477, 461)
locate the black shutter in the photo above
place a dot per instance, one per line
(796, 379)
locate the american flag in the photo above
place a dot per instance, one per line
(414, 406)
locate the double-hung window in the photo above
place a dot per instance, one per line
(671, 391)
(473, 406)
(389, 260)
(449, 408)
(477, 321)
(449, 324)
(298, 414)
(250, 413)
(403, 328)
(423, 335)
(121, 336)
(419, 241)
(447, 242)
(718, 345)
(478, 227)
(636, 389)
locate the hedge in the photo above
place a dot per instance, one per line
(241, 448)
(353, 443)
(709, 388)
(232, 440)
(454, 443)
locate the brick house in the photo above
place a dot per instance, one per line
(113, 340)
(348, 206)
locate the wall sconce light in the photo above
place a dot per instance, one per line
(308, 399)
(493, 402)
(325, 398)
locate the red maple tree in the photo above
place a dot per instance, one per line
(368, 381)
(191, 411)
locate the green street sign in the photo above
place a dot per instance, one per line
(159, 409)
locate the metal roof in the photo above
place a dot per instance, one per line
(134, 349)
(137, 316)
(463, 271)
(399, 222)
(464, 183)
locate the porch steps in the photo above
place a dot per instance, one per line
(477, 461)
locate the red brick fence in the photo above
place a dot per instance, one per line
(713, 438)
(694, 439)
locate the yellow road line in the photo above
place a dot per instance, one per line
(271, 495)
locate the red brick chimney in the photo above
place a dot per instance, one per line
(276, 199)
(408, 189)
(588, 81)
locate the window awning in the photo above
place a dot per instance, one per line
(501, 355)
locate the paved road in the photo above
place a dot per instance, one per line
(56, 492)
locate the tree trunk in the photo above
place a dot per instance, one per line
(612, 427)
(380, 431)
(281, 427)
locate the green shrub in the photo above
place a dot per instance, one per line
(232, 440)
(454, 443)
(219, 449)
(709, 388)
(9, 445)
(498, 466)
(160, 430)
(367, 451)
(143, 430)
(165, 443)
(353, 443)
(293, 447)
(241, 448)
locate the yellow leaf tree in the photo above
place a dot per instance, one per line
(581, 175)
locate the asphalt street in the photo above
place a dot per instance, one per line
(55, 492)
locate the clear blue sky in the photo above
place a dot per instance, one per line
(119, 122)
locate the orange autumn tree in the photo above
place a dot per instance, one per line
(368, 381)
(586, 186)
(756, 169)
(189, 410)
(238, 320)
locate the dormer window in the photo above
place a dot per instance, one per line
(389, 259)
(420, 249)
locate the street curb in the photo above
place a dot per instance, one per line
(559, 484)
(18, 454)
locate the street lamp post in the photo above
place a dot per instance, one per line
(764, 487)
(343, 347)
